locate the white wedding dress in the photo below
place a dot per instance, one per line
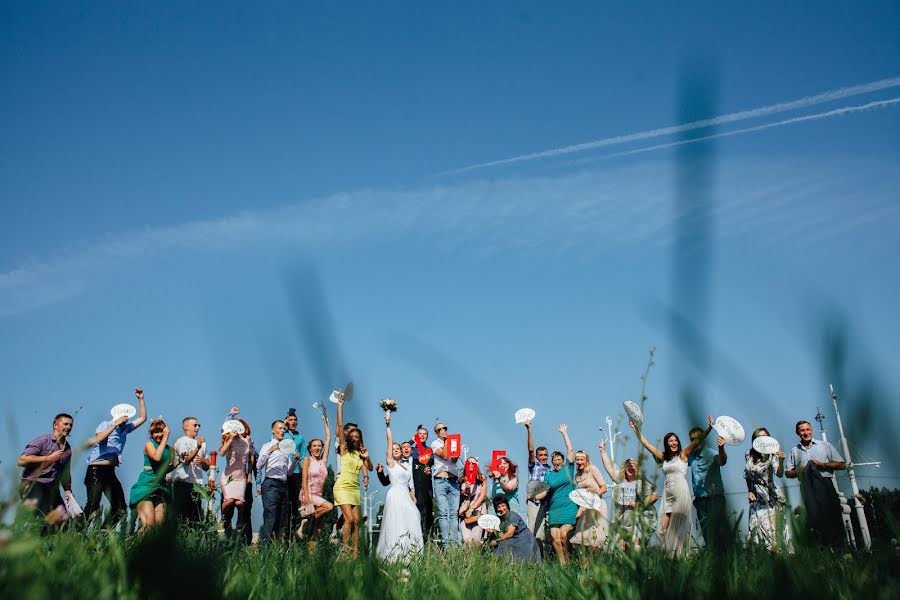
(401, 529)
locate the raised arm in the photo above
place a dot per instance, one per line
(690, 448)
(142, 409)
(609, 465)
(101, 436)
(342, 443)
(650, 448)
(570, 453)
(389, 457)
(327, 447)
(530, 445)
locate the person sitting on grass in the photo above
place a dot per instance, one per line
(516, 541)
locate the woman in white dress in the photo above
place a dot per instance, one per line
(401, 527)
(676, 513)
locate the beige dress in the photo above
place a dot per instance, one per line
(592, 526)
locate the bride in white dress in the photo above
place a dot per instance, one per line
(401, 528)
(676, 512)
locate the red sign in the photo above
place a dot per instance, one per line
(424, 453)
(453, 446)
(495, 459)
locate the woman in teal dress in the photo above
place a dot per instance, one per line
(562, 513)
(506, 483)
(151, 492)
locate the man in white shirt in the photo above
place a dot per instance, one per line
(445, 475)
(273, 468)
(187, 503)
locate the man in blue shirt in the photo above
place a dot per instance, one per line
(815, 462)
(103, 458)
(709, 493)
(295, 478)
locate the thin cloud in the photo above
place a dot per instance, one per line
(762, 111)
(627, 205)
(837, 112)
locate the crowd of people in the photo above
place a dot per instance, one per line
(564, 492)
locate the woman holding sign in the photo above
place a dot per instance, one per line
(562, 513)
(676, 518)
(235, 449)
(473, 490)
(766, 499)
(592, 526)
(353, 457)
(151, 493)
(505, 482)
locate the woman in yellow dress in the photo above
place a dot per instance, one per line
(353, 457)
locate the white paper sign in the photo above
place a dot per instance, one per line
(122, 410)
(626, 493)
(524, 414)
(287, 447)
(730, 429)
(489, 522)
(334, 396)
(634, 412)
(765, 444)
(72, 508)
(585, 499)
(233, 426)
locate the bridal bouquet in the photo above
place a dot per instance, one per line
(388, 405)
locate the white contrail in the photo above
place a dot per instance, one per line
(762, 111)
(822, 115)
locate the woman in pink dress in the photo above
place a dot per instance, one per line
(233, 481)
(315, 470)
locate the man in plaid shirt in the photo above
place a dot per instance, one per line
(537, 469)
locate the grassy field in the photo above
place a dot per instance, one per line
(166, 564)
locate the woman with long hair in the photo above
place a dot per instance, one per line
(401, 528)
(562, 513)
(766, 498)
(592, 526)
(354, 458)
(473, 491)
(315, 471)
(236, 450)
(632, 498)
(505, 482)
(151, 493)
(676, 518)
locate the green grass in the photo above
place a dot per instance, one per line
(112, 565)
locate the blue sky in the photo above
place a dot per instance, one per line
(248, 205)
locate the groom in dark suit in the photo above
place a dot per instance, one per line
(422, 480)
